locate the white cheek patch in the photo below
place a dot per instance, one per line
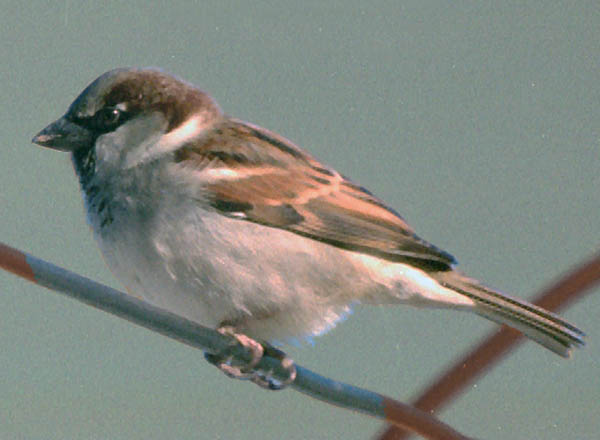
(151, 141)
(138, 138)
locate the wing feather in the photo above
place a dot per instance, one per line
(255, 175)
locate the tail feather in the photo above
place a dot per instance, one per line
(536, 323)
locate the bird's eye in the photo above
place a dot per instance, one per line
(108, 119)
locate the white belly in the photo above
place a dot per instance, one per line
(268, 282)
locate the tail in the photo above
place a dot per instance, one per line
(538, 324)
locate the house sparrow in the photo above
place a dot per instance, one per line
(229, 224)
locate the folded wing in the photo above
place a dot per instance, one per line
(255, 175)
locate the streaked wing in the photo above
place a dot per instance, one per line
(256, 175)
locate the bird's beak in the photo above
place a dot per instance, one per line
(64, 135)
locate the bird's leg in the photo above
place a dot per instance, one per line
(264, 379)
(224, 359)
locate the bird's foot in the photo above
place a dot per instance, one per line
(225, 361)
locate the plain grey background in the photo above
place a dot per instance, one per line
(478, 121)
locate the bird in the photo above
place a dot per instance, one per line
(231, 225)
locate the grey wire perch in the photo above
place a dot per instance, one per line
(210, 341)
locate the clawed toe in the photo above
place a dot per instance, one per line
(224, 361)
(266, 379)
